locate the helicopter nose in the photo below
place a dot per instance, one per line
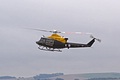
(37, 42)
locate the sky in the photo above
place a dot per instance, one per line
(19, 55)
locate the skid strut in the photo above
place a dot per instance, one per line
(49, 49)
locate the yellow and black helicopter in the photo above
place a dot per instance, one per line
(55, 42)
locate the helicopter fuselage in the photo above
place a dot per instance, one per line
(54, 44)
(51, 43)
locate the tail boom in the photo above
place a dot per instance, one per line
(77, 45)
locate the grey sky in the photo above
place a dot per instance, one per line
(19, 55)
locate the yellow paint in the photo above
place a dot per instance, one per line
(58, 38)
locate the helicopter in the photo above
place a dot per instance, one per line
(56, 42)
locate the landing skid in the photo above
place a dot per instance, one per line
(49, 49)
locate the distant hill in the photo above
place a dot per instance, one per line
(101, 75)
(61, 76)
(90, 76)
(47, 76)
(7, 77)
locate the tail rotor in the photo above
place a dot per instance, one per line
(99, 40)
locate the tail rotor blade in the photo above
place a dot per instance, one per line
(98, 40)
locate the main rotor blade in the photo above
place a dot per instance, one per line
(52, 31)
(55, 31)
(81, 33)
(38, 29)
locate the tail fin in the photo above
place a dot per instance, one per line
(92, 41)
